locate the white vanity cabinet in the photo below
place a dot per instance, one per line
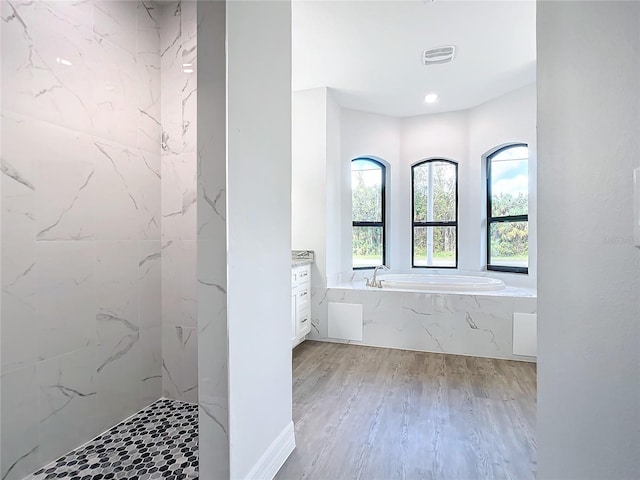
(300, 303)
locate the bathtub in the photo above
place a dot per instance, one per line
(441, 283)
(460, 314)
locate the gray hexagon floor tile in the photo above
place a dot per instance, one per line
(159, 442)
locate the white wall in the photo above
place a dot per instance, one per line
(508, 119)
(588, 272)
(443, 135)
(259, 229)
(308, 176)
(370, 135)
(464, 137)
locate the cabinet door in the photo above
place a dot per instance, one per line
(294, 317)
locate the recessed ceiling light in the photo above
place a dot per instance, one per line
(431, 98)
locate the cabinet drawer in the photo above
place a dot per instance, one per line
(304, 322)
(300, 275)
(303, 296)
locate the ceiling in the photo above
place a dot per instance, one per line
(370, 52)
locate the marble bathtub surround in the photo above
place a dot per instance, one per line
(98, 220)
(464, 324)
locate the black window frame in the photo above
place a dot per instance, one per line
(382, 223)
(505, 218)
(415, 224)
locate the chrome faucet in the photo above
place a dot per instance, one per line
(373, 282)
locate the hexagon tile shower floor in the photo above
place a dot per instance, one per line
(159, 442)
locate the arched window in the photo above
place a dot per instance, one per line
(434, 193)
(508, 209)
(368, 212)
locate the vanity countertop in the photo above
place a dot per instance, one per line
(301, 257)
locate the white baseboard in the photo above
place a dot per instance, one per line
(275, 456)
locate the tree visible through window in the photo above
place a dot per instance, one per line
(367, 200)
(435, 214)
(508, 209)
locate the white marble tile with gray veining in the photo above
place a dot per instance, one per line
(118, 330)
(115, 92)
(19, 300)
(478, 325)
(20, 442)
(65, 197)
(179, 365)
(17, 49)
(62, 65)
(115, 180)
(115, 21)
(151, 364)
(66, 308)
(67, 407)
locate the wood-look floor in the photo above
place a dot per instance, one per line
(382, 414)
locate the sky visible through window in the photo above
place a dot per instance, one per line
(510, 172)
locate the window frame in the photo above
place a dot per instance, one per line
(415, 224)
(505, 218)
(382, 223)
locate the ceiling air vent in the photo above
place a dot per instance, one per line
(437, 55)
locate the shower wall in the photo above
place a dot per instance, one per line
(178, 27)
(81, 224)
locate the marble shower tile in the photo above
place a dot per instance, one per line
(19, 423)
(174, 80)
(171, 201)
(149, 283)
(116, 207)
(65, 197)
(212, 335)
(146, 173)
(149, 76)
(189, 284)
(180, 363)
(148, 15)
(171, 292)
(115, 20)
(118, 357)
(151, 364)
(211, 200)
(179, 211)
(179, 283)
(149, 134)
(17, 46)
(188, 187)
(76, 13)
(19, 284)
(67, 403)
(66, 310)
(116, 92)
(61, 59)
(188, 59)
(18, 177)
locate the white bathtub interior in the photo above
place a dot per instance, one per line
(452, 283)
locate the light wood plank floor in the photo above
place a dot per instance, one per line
(382, 414)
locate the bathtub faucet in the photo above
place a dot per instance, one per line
(373, 282)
